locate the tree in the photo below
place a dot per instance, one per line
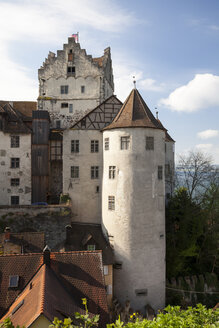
(196, 173)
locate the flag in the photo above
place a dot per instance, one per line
(75, 36)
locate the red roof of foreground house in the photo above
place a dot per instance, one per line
(52, 284)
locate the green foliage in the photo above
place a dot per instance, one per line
(184, 228)
(84, 320)
(8, 324)
(174, 317)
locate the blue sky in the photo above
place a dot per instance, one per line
(171, 46)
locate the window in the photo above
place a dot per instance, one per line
(125, 141)
(82, 89)
(71, 70)
(58, 124)
(70, 56)
(97, 189)
(149, 143)
(112, 172)
(71, 108)
(15, 182)
(118, 265)
(160, 172)
(15, 141)
(141, 292)
(13, 281)
(106, 141)
(94, 173)
(64, 89)
(105, 270)
(75, 146)
(55, 150)
(91, 247)
(111, 203)
(64, 105)
(109, 289)
(14, 200)
(15, 162)
(17, 307)
(75, 172)
(94, 146)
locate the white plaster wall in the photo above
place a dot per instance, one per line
(138, 222)
(86, 202)
(23, 172)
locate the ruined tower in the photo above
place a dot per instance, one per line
(72, 83)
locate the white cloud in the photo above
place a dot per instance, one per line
(208, 134)
(204, 147)
(48, 22)
(201, 92)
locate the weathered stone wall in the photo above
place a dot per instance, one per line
(169, 168)
(190, 290)
(50, 219)
(83, 191)
(23, 172)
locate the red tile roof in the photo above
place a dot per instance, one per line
(57, 288)
(134, 113)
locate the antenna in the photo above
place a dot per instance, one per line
(134, 82)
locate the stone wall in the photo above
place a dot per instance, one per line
(190, 290)
(50, 219)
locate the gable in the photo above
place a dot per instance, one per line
(101, 116)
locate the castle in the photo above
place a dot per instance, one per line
(114, 161)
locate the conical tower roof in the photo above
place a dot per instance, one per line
(134, 114)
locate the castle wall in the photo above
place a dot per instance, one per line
(136, 227)
(85, 192)
(23, 172)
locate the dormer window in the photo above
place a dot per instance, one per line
(91, 247)
(13, 281)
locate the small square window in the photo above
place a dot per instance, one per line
(15, 141)
(75, 172)
(15, 162)
(13, 281)
(15, 182)
(109, 289)
(97, 189)
(112, 172)
(91, 247)
(125, 142)
(82, 89)
(94, 172)
(64, 89)
(111, 203)
(70, 108)
(64, 105)
(149, 143)
(14, 200)
(106, 142)
(160, 172)
(75, 146)
(94, 146)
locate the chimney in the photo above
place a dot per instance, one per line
(46, 255)
(68, 229)
(7, 234)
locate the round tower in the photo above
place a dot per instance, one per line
(133, 203)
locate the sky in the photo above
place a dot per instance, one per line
(171, 47)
